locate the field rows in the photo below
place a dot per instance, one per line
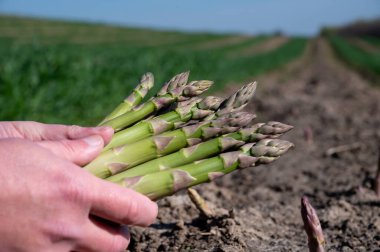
(62, 80)
(362, 57)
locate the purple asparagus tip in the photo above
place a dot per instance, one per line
(312, 226)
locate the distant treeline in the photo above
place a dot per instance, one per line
(359, 29)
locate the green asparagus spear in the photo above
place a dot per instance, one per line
(160, 184)
(125, 157)
(206, 149)
(134, 98)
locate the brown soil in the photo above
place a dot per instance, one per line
(258, 208)
(222, 42)
(265, 46)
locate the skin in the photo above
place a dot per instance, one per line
(48, 203)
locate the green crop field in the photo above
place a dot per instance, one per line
(372, 40)
(365, 62)
(66, 72)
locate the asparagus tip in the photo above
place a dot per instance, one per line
(210, 102)
(147, 79)
(239, 99)
(174, 84)
(197, 87)
(235, 119)
(272, 148)
(273, 127)
(312, 226)
(179, 80)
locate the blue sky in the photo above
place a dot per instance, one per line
(296, 17)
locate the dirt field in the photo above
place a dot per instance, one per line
(263, 47)
(259, 208)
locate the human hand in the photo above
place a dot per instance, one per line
(50, 204)
(74, 143)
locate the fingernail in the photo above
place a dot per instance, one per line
(124, 231)
(94, 141)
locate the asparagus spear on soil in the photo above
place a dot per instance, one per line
(195, 108)
(312, 226)
(200, 203)
(206, 149)
(377, 178)
(160, 184)
(134, 98)
(125, 157)
(175, 90)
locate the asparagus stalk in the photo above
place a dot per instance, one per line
(206, 149)
(312, 226)
(125, 157)
(164, 183)
(175, 90)
(193, 109)
(134, 98)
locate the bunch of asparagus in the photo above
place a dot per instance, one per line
(176, 139)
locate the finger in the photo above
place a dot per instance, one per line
(80, 152)
(38, 131)
(122, 205)
(99, 235)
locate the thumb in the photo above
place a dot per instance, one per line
(79, 151)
